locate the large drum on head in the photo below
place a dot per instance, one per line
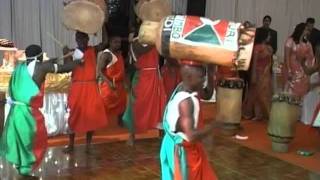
(229, 102)
(84, 16)
(219, 42)
(285, 111)
(153, 10)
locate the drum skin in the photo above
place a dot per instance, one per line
(284, 114)
(84, 16)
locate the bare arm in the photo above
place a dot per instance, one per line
(140, 49)
(186, 122)
(287, 52)
(53, 60)
(103, 60)
(310, 70)
(207, 91)
(309, 57)
(103, 45)
(49, 67)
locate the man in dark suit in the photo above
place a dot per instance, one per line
(273, 34)
(314, 37)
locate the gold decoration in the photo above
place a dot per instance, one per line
(4, 80)
(57, 83)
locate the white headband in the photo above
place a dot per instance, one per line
(106, 50)
(35, 57)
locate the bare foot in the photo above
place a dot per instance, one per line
(257, 119)
(247, 117)
(68, 150)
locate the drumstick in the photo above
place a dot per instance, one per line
(66, 55)
(55, 40)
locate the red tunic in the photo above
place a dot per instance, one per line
(149, 93)
(198, 165)
(41, 136)
(87, 112)
(114, 100)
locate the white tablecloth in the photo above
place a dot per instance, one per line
(55, 112)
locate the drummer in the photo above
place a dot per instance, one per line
(181, 125)
(87, 112)
(24, 139)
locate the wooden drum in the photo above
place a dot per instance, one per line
(284, 114)
(229, 102)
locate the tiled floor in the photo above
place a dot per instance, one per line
(116, 161)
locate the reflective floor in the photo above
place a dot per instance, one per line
(115, 161)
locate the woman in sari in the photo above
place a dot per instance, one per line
(257, 105)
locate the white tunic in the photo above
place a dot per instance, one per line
(172, 114)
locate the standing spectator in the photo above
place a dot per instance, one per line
(258, 101)
(273, 34)
(297, 49)
(314, 36)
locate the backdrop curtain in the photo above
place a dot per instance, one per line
(179, 6)
(285, 13)
(28, 22)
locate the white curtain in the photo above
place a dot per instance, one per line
(285, 13)
(28, 22)
(179, 6)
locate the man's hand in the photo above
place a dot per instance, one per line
(246, 34)
(102, 78)
(130, 37)
(112, 85)
(66, 50)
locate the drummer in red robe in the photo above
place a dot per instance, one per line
(87, 112)
(111, 78)
(148, 98)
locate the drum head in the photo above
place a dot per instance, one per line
(100, 3)
(138, 6)
(153, 10)
(83, 16)
(231, 83)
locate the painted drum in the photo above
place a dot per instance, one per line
(198, 38)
